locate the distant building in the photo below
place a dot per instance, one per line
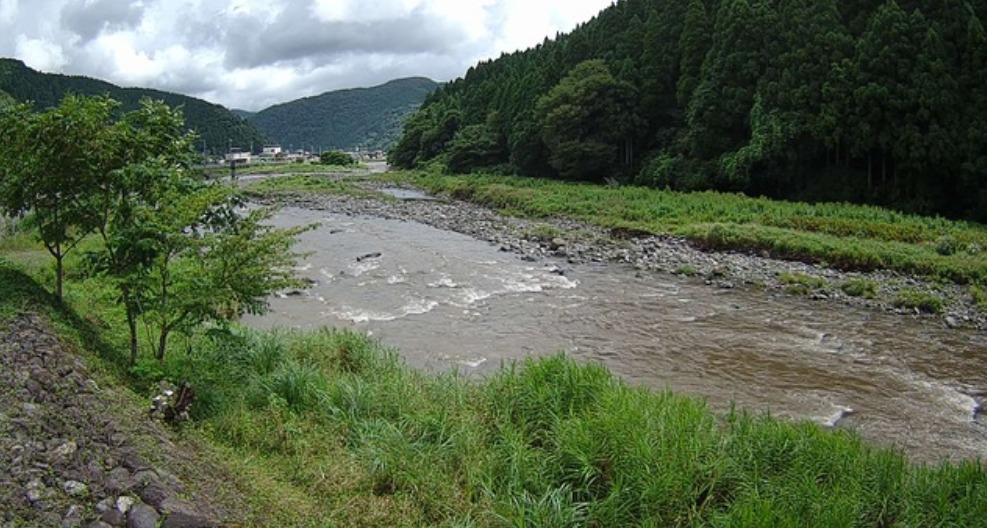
(238, 157)
(271, 151)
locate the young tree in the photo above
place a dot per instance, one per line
(181, 250)
(200, 256)
(51, 164)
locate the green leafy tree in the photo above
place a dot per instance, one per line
(694, 45)
(205, 260)
(475, 146)
(336, 158)
(52, 163)
(179, 249)
(884, 95)
(874, 100)
(587, 121)
(719, 110)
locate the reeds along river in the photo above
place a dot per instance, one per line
(448, 301)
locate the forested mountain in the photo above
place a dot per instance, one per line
(875, 101)
(369, 118)
(215, 125)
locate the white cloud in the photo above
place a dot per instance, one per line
(254, 53)
(40, 54)
(8, 11)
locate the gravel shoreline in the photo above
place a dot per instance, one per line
(564, 241)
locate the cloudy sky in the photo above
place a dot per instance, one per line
(251, 54)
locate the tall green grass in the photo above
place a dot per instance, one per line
(310, 183)
(546, 442)
(276, 168)
(844, 236)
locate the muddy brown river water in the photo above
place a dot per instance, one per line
(446, 300)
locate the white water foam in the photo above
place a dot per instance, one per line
(954, 397)
(472, 363)
(365, 266)
(444, 282)
(356, 315)
(840, 412)
(469, 296)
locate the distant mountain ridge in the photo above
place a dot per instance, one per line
(217, 126)
(365, 118)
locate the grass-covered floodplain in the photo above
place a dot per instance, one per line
(308, 183)
(843, 236)
(221, 171)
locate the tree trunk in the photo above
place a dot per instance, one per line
(870, 170)
(59, 274)
(162, 343)
(884, 168)
(131, 310)
(132, 326)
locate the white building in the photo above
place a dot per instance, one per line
(238, 157)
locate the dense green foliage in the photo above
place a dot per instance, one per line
(215, 126)
(177, 248)
(336, 158)
(843, 236)
(878, 102)
(365, 118)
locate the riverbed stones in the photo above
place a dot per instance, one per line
(75, 488)
(143, 516)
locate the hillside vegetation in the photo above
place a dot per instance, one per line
(215, 126)
(368, 118)
(878, 101)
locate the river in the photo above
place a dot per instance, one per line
(448, 301)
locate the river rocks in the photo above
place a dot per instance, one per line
(577, 243)
(75, 488)
(143, 516)
(65, 445)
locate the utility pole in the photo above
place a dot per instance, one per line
(232, 160)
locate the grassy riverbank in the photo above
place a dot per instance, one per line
(329, 428)
(223, 171)
(848, 237)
